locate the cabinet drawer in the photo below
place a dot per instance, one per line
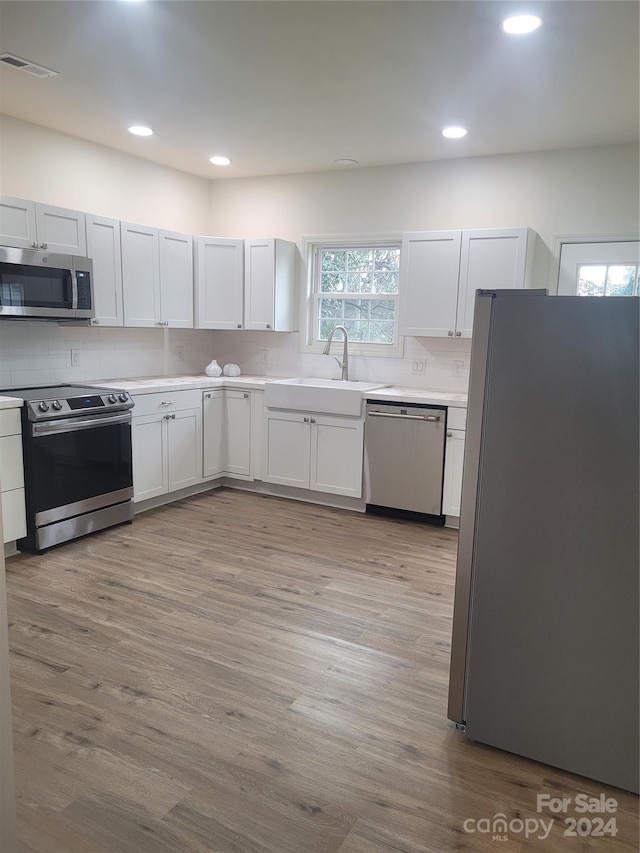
(10, 422)
(167, 401)
(11, 470)
(456, 418)
(14, 522)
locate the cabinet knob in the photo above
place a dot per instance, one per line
(458, 334)
(268, 325)
(34, 245)
(95, 322)
(207, 396)
(246, 396)
(43, 245)
(449, 435)
(450, 334)
(306, 420)
(238, 325)
(312, 420)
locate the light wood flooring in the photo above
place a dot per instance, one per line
(242, 674)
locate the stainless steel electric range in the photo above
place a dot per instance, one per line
(77, 461)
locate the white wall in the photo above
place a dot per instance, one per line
(54, 168)
(591, 190)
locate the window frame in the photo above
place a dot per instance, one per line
(312, 248)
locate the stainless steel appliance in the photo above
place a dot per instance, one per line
(404, 458)
(43, 285)
(78, 463)
(544, 657)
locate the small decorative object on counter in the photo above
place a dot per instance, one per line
(231, 370)
(213, 368)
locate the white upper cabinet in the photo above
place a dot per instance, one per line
(176, 279)
(29, 225)
(270, 268)
(219, 290)
(440, 272)
(103, 247)
(492, 259)
(429, 272)
(157, 277)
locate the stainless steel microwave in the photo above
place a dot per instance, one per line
(45, 285)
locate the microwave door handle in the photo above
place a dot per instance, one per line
(74, 289)
(76, 424)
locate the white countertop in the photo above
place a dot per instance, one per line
(151, 384)
(10, 402)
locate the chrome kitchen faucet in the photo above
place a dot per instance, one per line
(344, 364)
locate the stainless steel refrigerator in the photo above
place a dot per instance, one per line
(544, 657)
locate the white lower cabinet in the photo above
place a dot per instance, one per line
(167, 444)
(213, 457)
(454, 461)
(228, 434)
(314, 452)
(12, 476)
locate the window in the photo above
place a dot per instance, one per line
(356, 286)
(607, 280)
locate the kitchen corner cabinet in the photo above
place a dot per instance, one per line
(228, 433)
(157, 277)
(12, 476)
(314, 452)
(440, 272)
(103, 247)
(167, 443)
(219, 283)
(30, 225)
(269, 285)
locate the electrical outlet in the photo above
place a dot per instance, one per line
(75, 358)
(419, 366)
(458, 368)
(264, 356)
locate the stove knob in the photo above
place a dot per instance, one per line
(123, 398)
(57, 405)
(112, 398)
(43, 407)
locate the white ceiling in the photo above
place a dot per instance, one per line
(286, 87)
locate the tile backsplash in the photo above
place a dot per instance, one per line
(34, 354)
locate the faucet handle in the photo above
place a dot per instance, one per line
(339, 362)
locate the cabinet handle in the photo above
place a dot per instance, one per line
(34, 245)
(166, 402)
(458, 334)
(450, 334)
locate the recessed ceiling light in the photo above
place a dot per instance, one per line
(346, 161)
(454, 132)
(219, 161)
(521, 24)
(140, 130)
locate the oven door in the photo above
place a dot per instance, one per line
(77, 465)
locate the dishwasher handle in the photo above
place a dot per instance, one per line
(431, 418)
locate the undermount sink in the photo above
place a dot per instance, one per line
(331, 396)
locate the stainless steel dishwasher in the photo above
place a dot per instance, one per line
(404, 458)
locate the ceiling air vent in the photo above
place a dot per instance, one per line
(25, 65)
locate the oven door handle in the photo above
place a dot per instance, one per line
(75, 424)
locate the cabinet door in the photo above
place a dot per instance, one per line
(213, 433)
(17, 223)
(140, 275)
(337, 446)
(176, 279)
(257, 429)
(429, 269)
(184, 448)
(219, 283)
(491, 259)
(287, 437)
(238, 433)
(453, 465)
(259, 270)
(103, 246)
(61, 230)
(150, 476)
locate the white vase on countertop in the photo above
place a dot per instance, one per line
(213, 368)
